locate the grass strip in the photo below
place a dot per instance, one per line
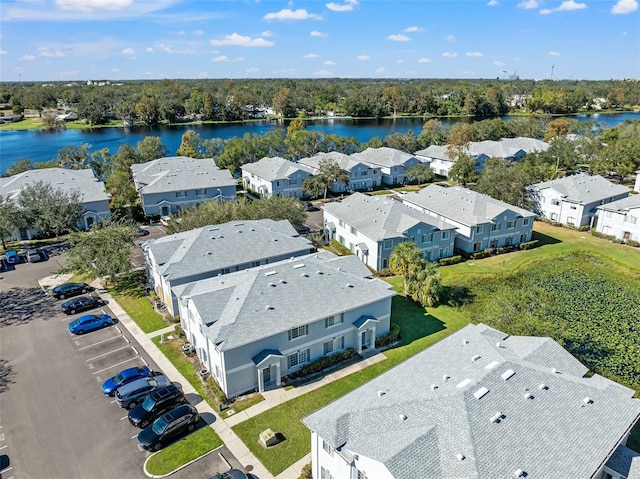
(183, 452)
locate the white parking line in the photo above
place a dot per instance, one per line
(1, 436)
(126, 339)
(116, 327)
(99, 342)
(109, 352)
(6, 470)
(134, 437)
(2, 447)
(114, 365)
(124, 417)
(133, 347)
(145, 362)
(113, 401)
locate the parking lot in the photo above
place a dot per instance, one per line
(54, 419)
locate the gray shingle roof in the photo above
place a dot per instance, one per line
(346, 162)
(462, 204)
(625, 462)
(623, 205)
(583, 188)
(435, 151)
(380, 218)
(83, 181)
(246, 306)
(179, 173)
(383, 156)
(418, 417)
(274, 168)
(216, 247)
(504, 148)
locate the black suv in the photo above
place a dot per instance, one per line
(82, 303)
(155, 405)
(168, 427)
(67, 290)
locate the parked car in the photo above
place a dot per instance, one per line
(67, 290)
(12, 257)
(303, 230)
(82, 303)
(124, 377)
(157, 403)
(33, 256)
(232, 474)
(308, 206)
(167, 427)
(90, 322)
(129, 395)
(142, 232)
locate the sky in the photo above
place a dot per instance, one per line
(80, 40)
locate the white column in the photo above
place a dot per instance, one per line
(260, 380)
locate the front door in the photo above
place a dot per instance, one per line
(364, 340)
(165, 211)
(266, 375)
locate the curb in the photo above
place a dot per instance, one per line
(144, 467)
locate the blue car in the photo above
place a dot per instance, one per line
(90, 322)
(12, 257)
(123, 377)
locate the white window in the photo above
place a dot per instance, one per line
(201, 192)
(555, 202)
(632, 220)
(298, 332)
(495, 227)
(427, 238)
(525, 222)
(292, 181)
(341, 223)
(325, 474)
(388, 244)
(354, 231)
(511, 224)
(363, 173)
(180, 194)
(572, 207)
(445, 235)
(333, 345)
(333, 320)
(297, 358)
(361, 475)
(327, 448)
(478, 229)
(608, 214)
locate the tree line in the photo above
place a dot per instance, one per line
(170, 101)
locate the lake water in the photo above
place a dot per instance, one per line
(40, 145)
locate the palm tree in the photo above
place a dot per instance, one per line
(426, 286)
(406, 260)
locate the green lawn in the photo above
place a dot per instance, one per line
(129, 294)
(419, 328)
(182, 452)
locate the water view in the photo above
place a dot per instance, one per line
(43, 145)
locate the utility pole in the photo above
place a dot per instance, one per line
(552, 67)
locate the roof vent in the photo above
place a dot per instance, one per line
(349, 285)
(554, 370)
(498, 344)
(460, 457)
(381, 393)
(519, 473)
(319, 272)
(497, 417)
(209, 253)
(465, 341)
(475, 358)
(269, 307)
(434, 387)
(543, 387)
(270, 273)
(587, 400)
(403, 417)
(272, 285)
(446, 377)
(282, 281)
(528, 396)
(463, 383)
(507, 374)
(480, 393)
(298, 266)
(491, 365)
(305, 275)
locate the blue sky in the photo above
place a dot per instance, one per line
(142, 39)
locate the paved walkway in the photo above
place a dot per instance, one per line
(223, 426)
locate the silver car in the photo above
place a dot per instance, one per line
(33, 256)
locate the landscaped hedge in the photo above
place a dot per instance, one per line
(323, 363)
(633, 243)
(450, 260)
(504, 249)
(341, 249)
(391, 337)
(216, 393)
(528, 245)
(480, 254)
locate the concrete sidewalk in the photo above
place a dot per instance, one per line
(223, 427)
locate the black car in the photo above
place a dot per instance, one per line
(142, 232)
(67, 290)
(82, 303)
(303, 230)
(168, 427)
(155, 405)
(308, 206)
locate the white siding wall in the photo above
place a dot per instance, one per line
(618, 224)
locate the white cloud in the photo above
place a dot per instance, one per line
(91, 5)
(128, 51)
(347, 6)
(180, 32)
(450, 38)
(3, 52)
(148, 73)
(398, 38)
(115, 70)
(179, 51)
(226, 59)
(45, 52)
(316, 33)
(474, 54)
(28, 58)
(266, 34)
(493, 3)
(424, 60)
(330, 62)
(499, 63)
(565, 6)
(449, 54)
(381, 70)
(323, 73)
(241, 41)
(624, 7)
(363, 57)
(413, 29)
(311, 55)
(252, 70)
(198, 33)
(288, 14)
(553, 54)
(529, 4)
(400, 61)
(149, 50)
(203, 75)
(285, 71)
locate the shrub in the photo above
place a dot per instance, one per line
(391, 337)
(179, 332)
(323, 363)
(450, 260)
(383, 273)
(528, 245)
(504, 249)
(480, 254)
(584, 228)
(340, 249)
(633, 243)
(305, 473)
(216, 393)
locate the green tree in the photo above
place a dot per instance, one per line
(420, 173)
(506, 181)
(406, 260)
(151, 148)
(464, 168)
(9, 219)
(426, 286)
(191, 145)
(49, 211)
(19, 166)
(148, 110)
(74, 157)
(103, 251)
(283, 104)
(329, 172)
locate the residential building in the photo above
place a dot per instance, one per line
(573, 200)
(636, 186)
(169, 185)
(620, 218)
(393, 163)
(479, 404)
(276, 176)
(93, 197)
(251, 328)
(362, 176)
(371, 226)
(216, 250)
(438, 159)
(481, 222)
